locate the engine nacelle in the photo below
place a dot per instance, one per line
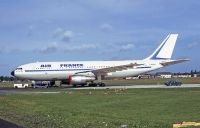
(80, 80)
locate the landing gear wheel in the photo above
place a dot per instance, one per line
(101, 84)
(92, 84)
(82, 85)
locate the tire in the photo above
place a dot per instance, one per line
(92, 84)
(103, 84)
(95, 85)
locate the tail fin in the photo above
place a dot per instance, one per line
(165, 49)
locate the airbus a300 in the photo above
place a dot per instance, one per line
(86, 72)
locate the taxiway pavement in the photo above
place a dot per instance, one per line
(11, 91)
(142, 86)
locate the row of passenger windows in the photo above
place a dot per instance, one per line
(43, 68)
(98, 66)
(75, 67)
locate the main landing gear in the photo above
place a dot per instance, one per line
(99, 84)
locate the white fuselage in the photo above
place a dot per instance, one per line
(62, 70)
(68, 69)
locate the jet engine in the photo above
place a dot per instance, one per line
(80, 80)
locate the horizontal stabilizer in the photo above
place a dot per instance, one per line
(171, 62)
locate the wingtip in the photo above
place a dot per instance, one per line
(184, 59)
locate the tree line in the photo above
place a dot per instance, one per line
(7, 78)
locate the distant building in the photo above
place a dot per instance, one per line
(195, 75)
(132, 78)
(146, 76)
(164, 75)
(142, 76)
(182, 75)
(198, 75)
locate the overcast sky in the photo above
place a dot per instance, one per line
(63, 30)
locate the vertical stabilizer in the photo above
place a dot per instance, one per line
(165, 49)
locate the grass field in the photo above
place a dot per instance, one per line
(136, 108)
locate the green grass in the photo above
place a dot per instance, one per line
(137, 108)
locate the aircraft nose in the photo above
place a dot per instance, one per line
(13, 73)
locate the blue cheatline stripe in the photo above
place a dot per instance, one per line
(143, 67)
(154, 56)
(59, 70)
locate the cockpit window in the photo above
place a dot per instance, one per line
(19, 69)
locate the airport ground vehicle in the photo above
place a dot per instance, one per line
(41, 84)
(20, 85)
(173, 83)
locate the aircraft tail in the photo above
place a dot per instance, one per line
(165, 49)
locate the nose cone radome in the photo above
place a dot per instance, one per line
(13, 73)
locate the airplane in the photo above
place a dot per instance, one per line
(86, 72)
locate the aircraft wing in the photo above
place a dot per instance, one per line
(116, 68)
(173, 62)
(111, 69)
